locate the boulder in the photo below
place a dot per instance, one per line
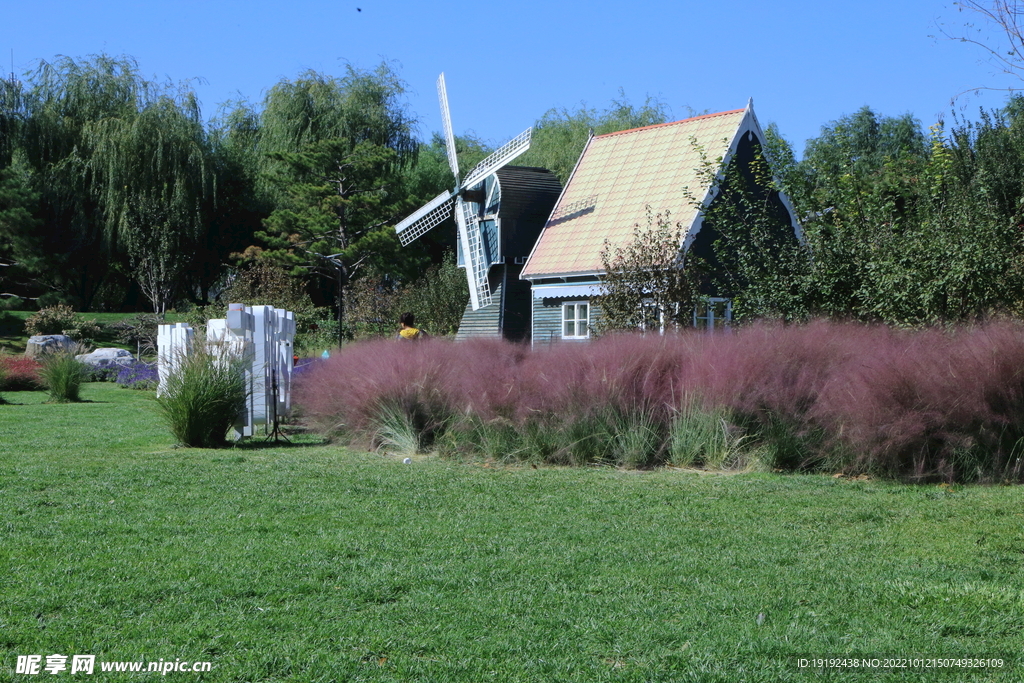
(103, 357)
(48, 343)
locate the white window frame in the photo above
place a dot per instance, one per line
(573, 308)
(654, 318)
(711, 322)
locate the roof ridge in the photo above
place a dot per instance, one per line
(670, 123)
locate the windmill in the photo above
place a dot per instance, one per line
(470, 198)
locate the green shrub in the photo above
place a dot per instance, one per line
(203, 398)
(62, 319)
(438, 298)
(264, 284)
(63, 375)
(315, 335)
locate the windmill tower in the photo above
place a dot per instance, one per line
(499, 210)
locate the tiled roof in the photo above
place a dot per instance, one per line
(617, 178)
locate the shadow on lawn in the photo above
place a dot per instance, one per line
(8, 402)
(257, 443)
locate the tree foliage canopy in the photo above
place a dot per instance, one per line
(909, 229)
(114, 190)
(333, 149)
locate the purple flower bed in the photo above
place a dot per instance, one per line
(138, 375)
(104, 371)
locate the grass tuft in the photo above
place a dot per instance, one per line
(397, 431)
(701, 436)
(203, 398)
(63, 375)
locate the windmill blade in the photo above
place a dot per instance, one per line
(467, 256)
(473, 253)
(446, 122)
(425, 218)
(506, 153)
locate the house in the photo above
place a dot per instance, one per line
(618, 179)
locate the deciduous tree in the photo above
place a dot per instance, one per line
(154, 185)
(69, 253)
(648, 284)
(1005, 50)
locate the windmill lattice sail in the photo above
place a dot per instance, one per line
(437, 210)
(446, 122)
(427, 217)
(479, 287)
(506, 153)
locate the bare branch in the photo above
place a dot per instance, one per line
(1007, 53)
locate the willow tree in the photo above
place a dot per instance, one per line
(121, 165)
(240, 205)
(333, 150)
(12, 117)
(68, 253)
(153, 183)
(15, 200)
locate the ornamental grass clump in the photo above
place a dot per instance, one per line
(702, 436)
(63, 375)
(203, 397)
(357, 393)
(921, 405)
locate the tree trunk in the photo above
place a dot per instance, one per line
(342, 277)
(342, 267)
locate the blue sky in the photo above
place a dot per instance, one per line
(805, 63)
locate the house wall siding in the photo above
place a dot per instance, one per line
(483, 322)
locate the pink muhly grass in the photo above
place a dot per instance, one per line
(934, 404)
(925, 404)
(774, 368)
(429, 380)
(624, 372)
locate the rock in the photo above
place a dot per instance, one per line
(101, 357)
(47, 343)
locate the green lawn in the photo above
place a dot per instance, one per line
(309, 562)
